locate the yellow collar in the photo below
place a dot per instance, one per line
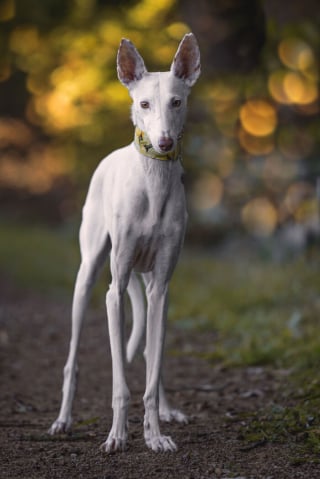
(144, 146)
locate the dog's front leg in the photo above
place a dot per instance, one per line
(120, 393)
(156, 321)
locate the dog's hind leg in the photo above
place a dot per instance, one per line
(138, 315)
(166, 412)
(95, 245)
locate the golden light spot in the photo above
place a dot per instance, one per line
(166, 53)
(35, 84)
(299, 89)
(276, 87)
(225, 161)
(114, 95)
(112, 32)
(77, 79)
(255, 145)
(84, 44)
(7, 10)
(296, 194)
(226, 118)
(147, 13)
(59, 112)
(24, 40)
(222, 93)
(207, 192)
(37, 173)
(14, 133)
(177, 30)
(260, 216)
(258, 117)
(308, 210)
(296, 53)
(292, 87)
(5, 71)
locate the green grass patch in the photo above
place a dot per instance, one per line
(38, 258)
(262, 312)
(296, 424)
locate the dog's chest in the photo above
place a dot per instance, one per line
(160, 214)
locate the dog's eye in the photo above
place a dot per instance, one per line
(145, 105)
(176, 103)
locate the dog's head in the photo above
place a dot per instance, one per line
(160, 99)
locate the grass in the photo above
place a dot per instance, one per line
(262, 313)
(38, 258)
(296, 423)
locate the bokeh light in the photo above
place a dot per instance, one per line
(7, 10)
(295, 53)
(260, 216)
(255, 145)
(289, 87)
(253, 138)
(296, 194)
(299, 89)
(258, 117)
(207, 191)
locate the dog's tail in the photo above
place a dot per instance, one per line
(138, 315)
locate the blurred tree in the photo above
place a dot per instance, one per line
(252, 141)
(232, 33)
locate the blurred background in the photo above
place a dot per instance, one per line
(249, 276)
(251, 150)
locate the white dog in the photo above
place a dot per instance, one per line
(135, 210)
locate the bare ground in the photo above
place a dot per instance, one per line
(34, 335)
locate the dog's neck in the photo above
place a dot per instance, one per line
(144, 146)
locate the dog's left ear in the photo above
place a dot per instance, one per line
(186, 63)
(130, 65)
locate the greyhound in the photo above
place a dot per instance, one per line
(135, 211)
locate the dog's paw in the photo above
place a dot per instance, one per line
(161, 444)
(113, 444)
(59, 427)
(169, 415)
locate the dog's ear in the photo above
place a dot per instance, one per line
(186, 63)
(130, 65)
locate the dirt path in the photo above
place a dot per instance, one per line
(34, 338)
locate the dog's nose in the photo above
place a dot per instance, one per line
(165, 143)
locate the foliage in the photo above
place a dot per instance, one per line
(73, 92)
(252, 142)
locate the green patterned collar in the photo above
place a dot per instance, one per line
(144, 146)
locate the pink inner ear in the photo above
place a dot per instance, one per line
(130, 64)
(186, 63)
(127, 66)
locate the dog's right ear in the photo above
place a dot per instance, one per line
(130, 65)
